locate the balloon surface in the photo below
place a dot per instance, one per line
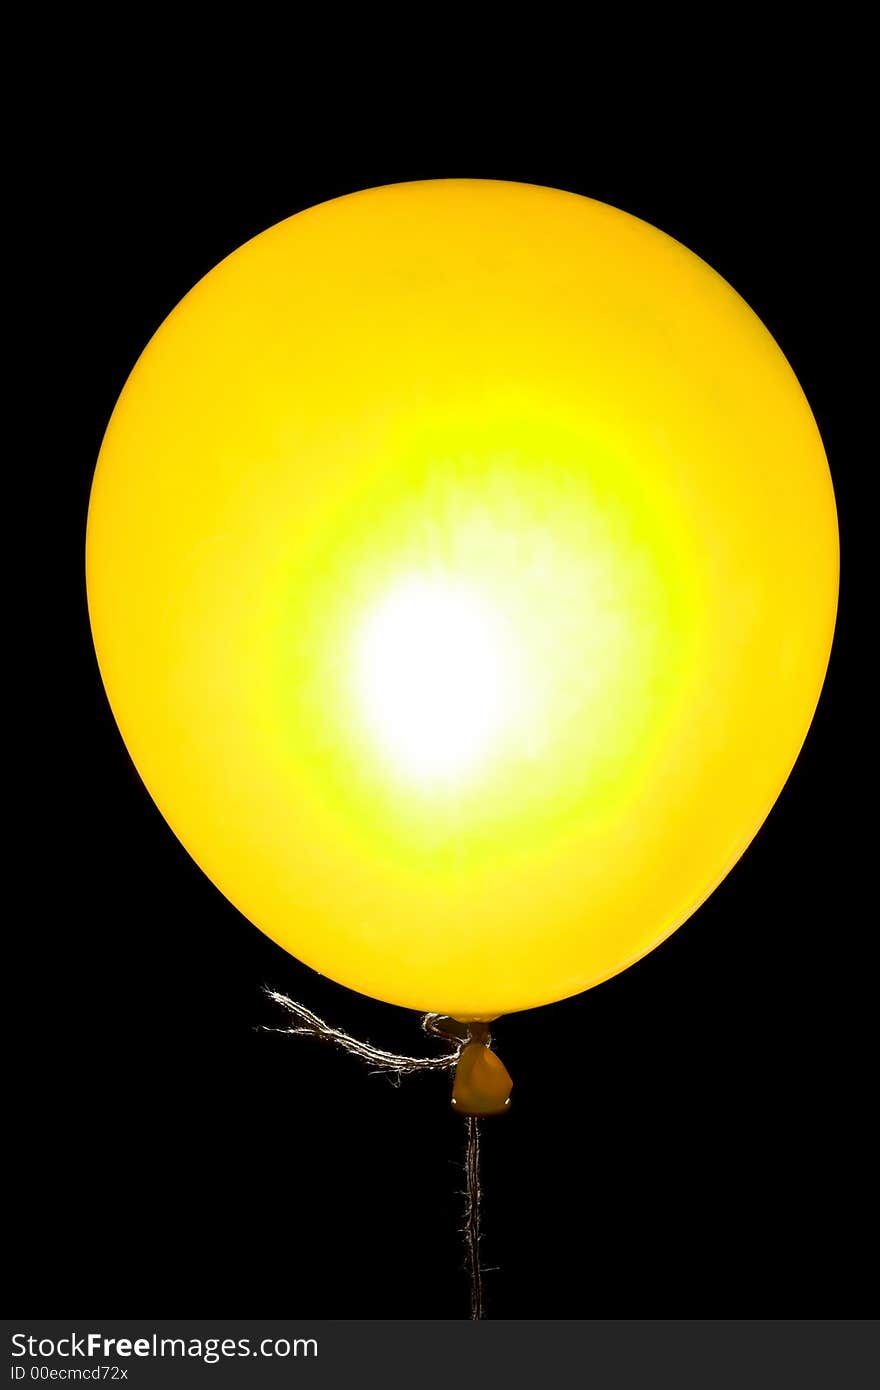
(462, 568)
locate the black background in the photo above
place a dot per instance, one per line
(686, 1140)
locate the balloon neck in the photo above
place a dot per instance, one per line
(482, 1084)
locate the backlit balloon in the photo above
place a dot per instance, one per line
(462, 567)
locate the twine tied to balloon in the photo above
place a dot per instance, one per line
(455, 1034)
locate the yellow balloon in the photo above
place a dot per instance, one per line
(462, 567)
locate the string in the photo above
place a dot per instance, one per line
(311, 1026)
(472, 1211)
(378, 1059)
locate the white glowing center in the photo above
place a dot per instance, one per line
(433, 676)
